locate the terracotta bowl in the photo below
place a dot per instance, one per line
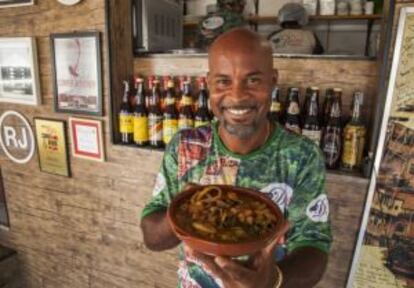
(219, 248)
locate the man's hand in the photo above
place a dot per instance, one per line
(260, 269)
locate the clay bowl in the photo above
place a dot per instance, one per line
(218, 248)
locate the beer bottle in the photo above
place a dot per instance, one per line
(354, 136)
(326, 108)
(186, 117)
(202, 114)
(332, 137)
(126, 123)
(292, 119)
(311, 125)
(180, 91)
(164, 92)
(306, 102)
(170, 122)
(149, 90)
(155, 117)
(140, 115)
(275, 113)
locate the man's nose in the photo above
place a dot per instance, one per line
(237, 91)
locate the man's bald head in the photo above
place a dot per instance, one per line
(241, 40)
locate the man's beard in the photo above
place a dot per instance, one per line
(240, 130)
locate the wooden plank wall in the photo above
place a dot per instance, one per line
(84, 231)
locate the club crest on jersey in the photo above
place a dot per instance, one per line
(318, 209)
(280, 193)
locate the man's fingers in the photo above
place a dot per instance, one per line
(279, 236)
(190, 185)
(208, 264)
(232, 267)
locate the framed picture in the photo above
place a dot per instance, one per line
(52, 146)
(86, 137)
(383, 254)
(19, 78)
(76, 63)
(14, 3)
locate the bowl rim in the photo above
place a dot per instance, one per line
(186, 236)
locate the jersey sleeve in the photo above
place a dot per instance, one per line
(166, 184)
(308, 212)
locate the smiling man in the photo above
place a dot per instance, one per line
(244, 148)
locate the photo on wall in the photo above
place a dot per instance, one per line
(14, 3)
(19, 78)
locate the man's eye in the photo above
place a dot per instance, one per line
(253, 81)
(222, 82)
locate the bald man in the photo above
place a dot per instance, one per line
(243, 148)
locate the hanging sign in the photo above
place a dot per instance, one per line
(16, 139)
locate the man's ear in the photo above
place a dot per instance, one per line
(275, 76)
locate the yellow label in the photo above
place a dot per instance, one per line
(170, 127)
(275, 107)
(198, 123)
(186, 100)
(140, 129)
(155, 127)
(169, 101)
(354, 142)
(126, 123)
(185, 123)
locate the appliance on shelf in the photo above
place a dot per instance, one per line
(157, 25)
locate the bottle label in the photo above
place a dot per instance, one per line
(170, 127)
(186, 100)
(155, 127)
(275, 107)
(293, 127)
(169, 101)
(314, 135)
(185, 123)
(140, 129)
(354, 142)
(126, 123)
(198, 123)
(331, 147)
(293, 108)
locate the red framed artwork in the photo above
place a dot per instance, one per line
(86, 138)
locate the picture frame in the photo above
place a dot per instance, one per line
(76, 69)
(86, 138)
(19, 75)
(382, 240)
(15, 3)
(51, 140)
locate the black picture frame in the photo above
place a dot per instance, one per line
(77, 72)
(15, 3)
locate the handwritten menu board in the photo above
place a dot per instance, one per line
(403, 96)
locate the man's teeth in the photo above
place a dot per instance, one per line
(238, 111)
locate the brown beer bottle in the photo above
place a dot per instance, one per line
(170, 121)
(126, 123)
(305, 104)
(311, 126)
(275, 112)
(202, 115)
(292, 119)
(326, 107)
(354, 136)
(149, 90)
(332, 136)
(140, 115)
(186, 117)
(164, 91)
(180, 91)
(155, 117)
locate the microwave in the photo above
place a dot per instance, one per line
(157, 25)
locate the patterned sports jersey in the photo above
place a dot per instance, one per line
(287, 168)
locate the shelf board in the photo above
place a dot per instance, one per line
(193, 21)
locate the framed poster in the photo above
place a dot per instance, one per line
(51, 146)
(19, 78)
(86, 138)
(384, 254)
(76, 63)
(14, 3)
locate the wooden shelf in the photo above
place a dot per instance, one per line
(193, 21)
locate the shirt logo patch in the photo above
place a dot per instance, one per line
(280, 193)
(318, 209)
(159, 184)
